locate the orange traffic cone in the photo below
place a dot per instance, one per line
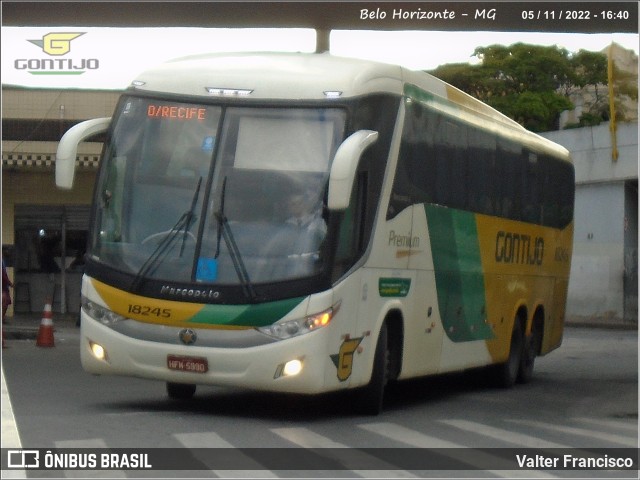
(45, 333)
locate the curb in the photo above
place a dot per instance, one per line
(603, 326)
(20, 333)
(24, 332)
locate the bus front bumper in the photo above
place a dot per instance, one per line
(269, 367)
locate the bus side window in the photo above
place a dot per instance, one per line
(509, 187)
(352, 236)
(415, 178)
(361, 194)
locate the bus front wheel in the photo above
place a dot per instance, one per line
(180, 391)
(369, 399)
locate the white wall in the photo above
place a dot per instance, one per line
(591, 149)
(596, 286)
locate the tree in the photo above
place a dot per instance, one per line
(591, 73)
(528, 83)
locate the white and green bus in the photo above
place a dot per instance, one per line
(305, 223)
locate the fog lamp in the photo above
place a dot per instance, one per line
(288, 369)
(98, 351)
(292, 367)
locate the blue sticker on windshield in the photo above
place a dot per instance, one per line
(207, 269)
(208, 143)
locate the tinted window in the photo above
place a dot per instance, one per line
(447, 162)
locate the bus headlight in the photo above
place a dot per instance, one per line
(100, 313)
(293, 328)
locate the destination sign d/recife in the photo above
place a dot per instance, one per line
(176, 112)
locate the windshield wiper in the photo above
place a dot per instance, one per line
(161, 251)
(224, 231)
(189, 215)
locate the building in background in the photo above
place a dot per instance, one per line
(44, 229)
(595, 99)
(604, 267)
(604, 273)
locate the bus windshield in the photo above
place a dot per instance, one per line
(218, 195)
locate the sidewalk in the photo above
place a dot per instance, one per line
(610, 323)
(26, 326)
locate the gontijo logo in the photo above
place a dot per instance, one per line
(56, 44)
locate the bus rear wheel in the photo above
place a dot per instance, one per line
(180, 391)
(369, 399)
(530, 351)
(506, 374)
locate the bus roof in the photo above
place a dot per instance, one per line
(314, 76)
(272, 76)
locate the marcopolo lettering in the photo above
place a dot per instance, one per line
(518, 248)
(189, 292)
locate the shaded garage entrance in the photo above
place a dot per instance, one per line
(50, 242)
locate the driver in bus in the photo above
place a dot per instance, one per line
(303, 213)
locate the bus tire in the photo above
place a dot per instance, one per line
(180, 391)
(530, 351)
(506, 374)
(370, 399)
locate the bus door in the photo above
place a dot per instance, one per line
(385, 282)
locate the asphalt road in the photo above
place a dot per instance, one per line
(583, 396)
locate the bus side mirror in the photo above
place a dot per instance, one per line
(345, 164)
(68, 148)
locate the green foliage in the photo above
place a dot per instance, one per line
(590, 68)
(528, 83)
(586, 120)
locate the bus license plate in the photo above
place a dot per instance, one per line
(187, 364)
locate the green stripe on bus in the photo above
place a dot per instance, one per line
(412, 91)
(458, 272)
(422, 96)
(257, 315)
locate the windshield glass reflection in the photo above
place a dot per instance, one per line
(186, 196)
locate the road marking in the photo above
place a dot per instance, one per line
(420, 440)
(591, 434)
(408, 436)
(352, 456)
(88, 443)
(528, 441)
(251, 468)
(615, 424)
